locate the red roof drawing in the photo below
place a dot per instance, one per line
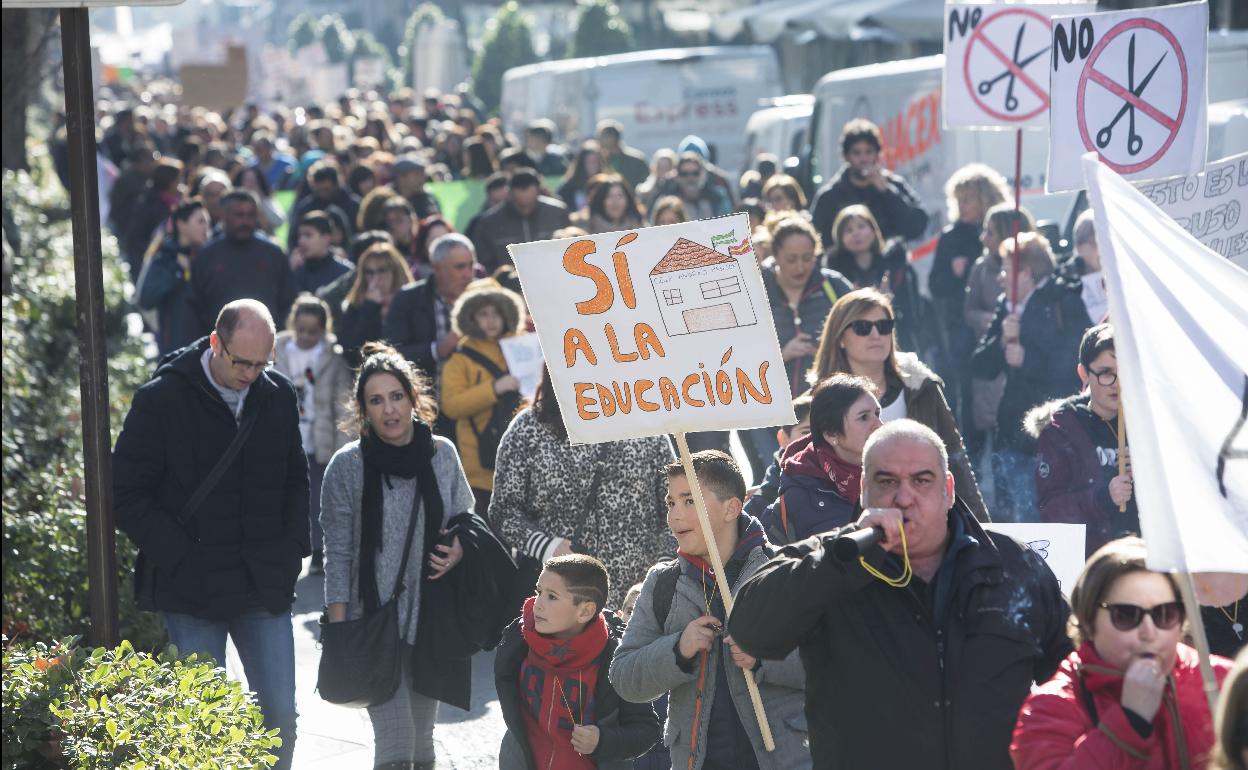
(686, 254)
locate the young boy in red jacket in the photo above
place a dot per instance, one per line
(550, 672)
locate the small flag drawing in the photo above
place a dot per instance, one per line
(741, 248)
(727, 238)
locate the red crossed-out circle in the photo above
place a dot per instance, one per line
(978, 36)
(1090, 73)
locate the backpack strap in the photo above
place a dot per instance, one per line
(210, 481)
(665, 590)
(482, 360)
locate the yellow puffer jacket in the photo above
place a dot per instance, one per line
(468, 398)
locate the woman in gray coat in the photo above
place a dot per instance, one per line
(372, 488)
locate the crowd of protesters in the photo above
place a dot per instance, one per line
(328, 393)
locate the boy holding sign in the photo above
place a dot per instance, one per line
(675, 643)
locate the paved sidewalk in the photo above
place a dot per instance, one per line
(342, 739)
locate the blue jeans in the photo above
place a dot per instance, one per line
(266, 645)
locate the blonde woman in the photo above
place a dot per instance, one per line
(382, 271)
(859, 337)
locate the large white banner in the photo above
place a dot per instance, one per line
(997, 63)
(657, 330)
(1129, 86)
(1180, 315)
(1211, 205)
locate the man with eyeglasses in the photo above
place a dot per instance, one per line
(1077, 478)
(211, 483)
(691, 183)
(919, 652)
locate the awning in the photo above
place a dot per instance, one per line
(837, 19)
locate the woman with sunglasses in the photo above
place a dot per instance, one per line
(859, 337)
(1131, 696)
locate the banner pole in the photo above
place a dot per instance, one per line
(721, 580)
(1188, 589)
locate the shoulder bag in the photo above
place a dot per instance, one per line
(362, 660)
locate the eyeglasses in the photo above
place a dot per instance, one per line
(241, 365)
(863, 327)
(1105, 377)
(1127, 617)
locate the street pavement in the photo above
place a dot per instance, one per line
(332, 737)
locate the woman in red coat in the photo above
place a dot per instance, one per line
(1131, 695)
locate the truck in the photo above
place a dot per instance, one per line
(779, 128)
(659, 96)
(904, 99)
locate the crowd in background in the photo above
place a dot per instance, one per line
(1003, 355)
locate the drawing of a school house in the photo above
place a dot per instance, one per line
(700, 290)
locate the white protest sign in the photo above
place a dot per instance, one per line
(1211, 205)
(997, 63)
(523, 354)
(1129, 86)
(658, 330)
(1060, 545)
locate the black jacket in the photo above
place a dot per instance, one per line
(887, 684)
(1053, 322)
(244, 546)
(163, 287)
(503, 226)
(909, 306)
(898, 209)
(227, 269)
(411, 326)
(461, 613)
(626, 730)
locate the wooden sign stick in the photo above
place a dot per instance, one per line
(717, 563)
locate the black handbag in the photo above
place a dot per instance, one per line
(362, 660)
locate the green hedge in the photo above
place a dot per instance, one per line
(106, 709)
(44, 558)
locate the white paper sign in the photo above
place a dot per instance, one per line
(658, 330)
(1060, 545)
(997, 63)
(1129, 86)
(1211, 205)
(523, 354)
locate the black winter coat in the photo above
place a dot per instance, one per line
(1053, 322)
(503, 226)
(461, 613)
(412, 326)
(245, 544)
(626, 730)
(898, 209)
(889, 686)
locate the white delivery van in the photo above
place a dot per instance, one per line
(903, 98)
(659, 96)
(778, 128)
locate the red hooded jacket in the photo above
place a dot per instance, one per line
(1055, 730)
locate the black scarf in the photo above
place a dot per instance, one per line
(412, 460)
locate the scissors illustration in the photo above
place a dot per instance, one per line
(1011, 101)
(1134, 142)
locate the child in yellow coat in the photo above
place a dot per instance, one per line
(477, 391)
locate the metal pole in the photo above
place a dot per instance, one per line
(92, 359)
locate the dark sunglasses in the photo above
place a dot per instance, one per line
(863, 328)
(1127, 617)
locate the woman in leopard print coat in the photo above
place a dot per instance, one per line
(543, 486)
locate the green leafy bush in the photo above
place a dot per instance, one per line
(44, 551)
(106, 709)
(508, 43)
